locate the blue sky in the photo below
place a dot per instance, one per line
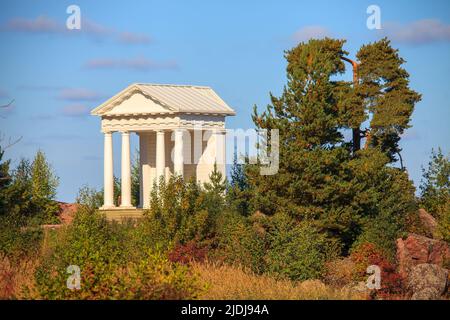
(56, 76)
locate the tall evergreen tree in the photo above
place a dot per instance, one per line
(5, 180)
(435, 186)
(383, 87)
(44, 180)
(321, 176)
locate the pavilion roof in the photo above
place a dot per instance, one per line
(174, 98)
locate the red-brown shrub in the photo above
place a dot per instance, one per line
(392, 286)
(186, 253)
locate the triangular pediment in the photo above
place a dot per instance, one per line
(159, 99)
(131, 101)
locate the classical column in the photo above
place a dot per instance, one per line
(108, 175)
(126, 171)
(160, 155)
(145, 168)
(220, 157)
(178, 161)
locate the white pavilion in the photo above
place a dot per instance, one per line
(181, 131)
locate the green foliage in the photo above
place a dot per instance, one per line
(43, 180)
(114, 264)
(297, 250)
(322, 178)
(239, 242)
(5, 180)
(89, 197)
(435, 186)
(17, 239)
(278, 245)
(31, 191)
(384, 87)
(435, 191)
(135, 180)
(238, 195)
(183, 211)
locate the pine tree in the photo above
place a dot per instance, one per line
(322, 177)
(435, 186)
(5, 180)
(217, 184)
(44, 183)
(382, 85)
(44, 180)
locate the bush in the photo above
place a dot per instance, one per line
(239, 242)
(89, 197)
(114, 264)
(18, 239)
(189, 252)
(183, 211)
(297, 250)
(366, 254)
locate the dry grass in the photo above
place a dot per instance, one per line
(17, 278)
(231, 282)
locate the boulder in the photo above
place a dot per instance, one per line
(428, 222)
(416, 249)
(427, 281)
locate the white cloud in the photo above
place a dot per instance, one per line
(46, 25)
(75, 110)
(79, 94)
(138, 63)
(417, 32)
(311, 32)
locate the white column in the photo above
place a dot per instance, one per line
(178, 159)
(160, 155)
(220, 150)
(146, 182)
(108, 175)
(126, 171)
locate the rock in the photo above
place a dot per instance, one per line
(416, 249)
(428, 222)
(427, 281)
(67, 211)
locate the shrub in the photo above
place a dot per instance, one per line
(367, 254)
(113, 264)
(16, 277)
(183, 211)
(17, 238)
(297, 250)
(89, 197)
(238, 242)
(339, 272)
(189, 252)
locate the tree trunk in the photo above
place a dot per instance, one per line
(356, 139)
(356, 131)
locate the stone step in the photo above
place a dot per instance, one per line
(122, 214)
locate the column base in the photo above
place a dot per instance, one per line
(107, 208)
(125, 208)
